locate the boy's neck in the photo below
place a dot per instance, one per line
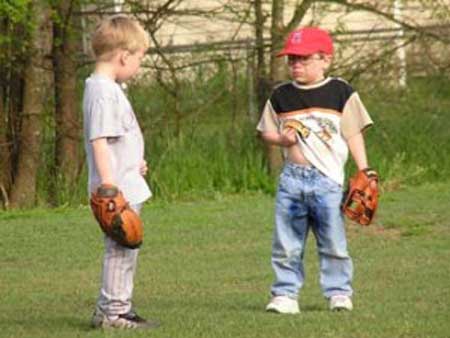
(312, 83)
(106, 69)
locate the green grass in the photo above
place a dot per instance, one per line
(204, 271)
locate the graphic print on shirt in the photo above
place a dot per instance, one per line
(323, 127)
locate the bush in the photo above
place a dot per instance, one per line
(410, 140)
(210, 145)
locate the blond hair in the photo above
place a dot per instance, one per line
(118, 32)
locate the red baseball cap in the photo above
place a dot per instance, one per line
(307, 41)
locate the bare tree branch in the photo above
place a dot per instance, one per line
(299, 14)
(389, 16)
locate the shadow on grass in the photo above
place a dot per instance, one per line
(211, 306)
(55, 324)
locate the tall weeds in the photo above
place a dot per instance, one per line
(410, 141)
(201, 141)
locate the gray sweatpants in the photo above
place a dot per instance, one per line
(119, 266)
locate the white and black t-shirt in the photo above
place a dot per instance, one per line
(330, 112)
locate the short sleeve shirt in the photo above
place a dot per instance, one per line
(330, 113)
(107, 113)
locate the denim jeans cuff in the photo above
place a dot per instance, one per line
(338, 293)
(289, 295)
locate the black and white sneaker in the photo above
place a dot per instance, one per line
(130, 320)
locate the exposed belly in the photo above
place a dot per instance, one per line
(295, 155)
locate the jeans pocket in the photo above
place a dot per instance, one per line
(329, 185)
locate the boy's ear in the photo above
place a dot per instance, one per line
(327, 58)
(123, 56)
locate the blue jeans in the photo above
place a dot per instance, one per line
(307, 199)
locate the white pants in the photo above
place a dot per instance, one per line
(119, 266)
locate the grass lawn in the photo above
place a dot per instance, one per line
(204, 271)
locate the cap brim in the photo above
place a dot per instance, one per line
(297, 51)
(305, 51)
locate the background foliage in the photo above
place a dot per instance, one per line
(217, 153)
(198, 104)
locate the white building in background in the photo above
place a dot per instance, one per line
(359, 33)
(192, 24)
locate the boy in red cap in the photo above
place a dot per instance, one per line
(316, 120)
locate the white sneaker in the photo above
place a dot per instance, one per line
(340, 302)
(283, 304)
(129, 320)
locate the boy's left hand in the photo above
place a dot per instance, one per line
(143, 168)
(361, 201)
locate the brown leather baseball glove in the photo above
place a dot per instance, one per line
(362, 197)
(116, 218)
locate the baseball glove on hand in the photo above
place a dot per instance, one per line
(362, 196)
(116, 218)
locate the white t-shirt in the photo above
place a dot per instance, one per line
(108, 114)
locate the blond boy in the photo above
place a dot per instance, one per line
(115, 156)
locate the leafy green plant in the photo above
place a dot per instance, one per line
(217, 151)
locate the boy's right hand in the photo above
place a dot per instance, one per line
(288, 137)
(115, 216)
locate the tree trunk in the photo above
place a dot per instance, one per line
(278, 69)
(262, 85)
(5, 161)
(277, 74)
(5, 158)
(66, 42)
(36, 91)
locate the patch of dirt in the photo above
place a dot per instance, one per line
(374, 229)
